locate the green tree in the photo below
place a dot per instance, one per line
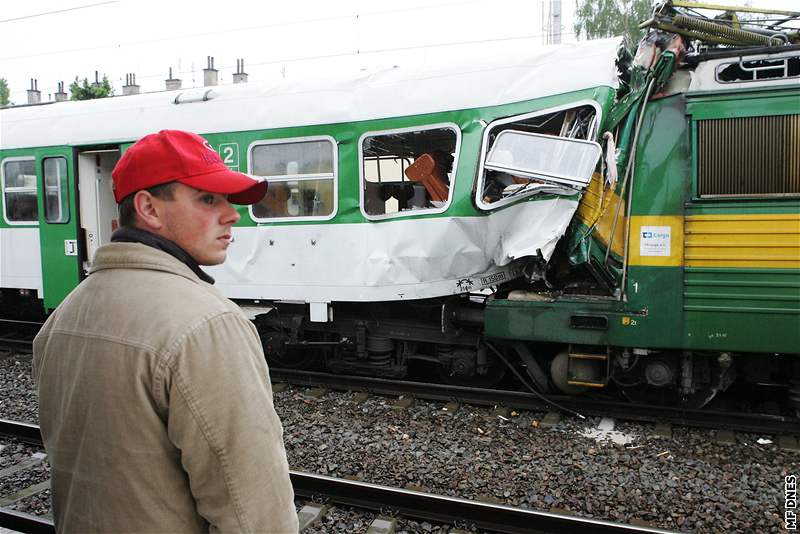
(4, 92)
(86, 91)
(595, 19)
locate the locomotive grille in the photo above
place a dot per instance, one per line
(748, 156)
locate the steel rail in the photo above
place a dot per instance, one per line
(20, 522)
(440, 508)
(408, 503)
(11, 519)
(17, 334)
(24, 431)
(743, 422)
(13, 343)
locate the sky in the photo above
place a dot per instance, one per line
(57, 40)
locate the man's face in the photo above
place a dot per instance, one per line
(199, 222)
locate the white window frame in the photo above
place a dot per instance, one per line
(5, 189)
(56, 188)
(298, 177)
(516, 118)
(408, 213)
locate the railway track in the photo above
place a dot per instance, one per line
(743, 422)
(18, 335)
(363, 495)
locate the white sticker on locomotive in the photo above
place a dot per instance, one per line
(655, 241)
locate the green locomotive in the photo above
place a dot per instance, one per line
(604, 222)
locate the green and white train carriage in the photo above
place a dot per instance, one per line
(342, 220)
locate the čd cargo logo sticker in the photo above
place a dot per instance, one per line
(655, 241)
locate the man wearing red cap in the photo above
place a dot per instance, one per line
(155, 402)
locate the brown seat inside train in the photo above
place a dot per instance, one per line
(425, 171)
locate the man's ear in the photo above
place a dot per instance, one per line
(148, 210)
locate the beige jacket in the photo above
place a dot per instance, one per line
(156, 407)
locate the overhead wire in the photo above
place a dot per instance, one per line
(231, 30)
(350, 54)
(358, 52)
(24, 17)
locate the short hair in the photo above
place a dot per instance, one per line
(127, 211)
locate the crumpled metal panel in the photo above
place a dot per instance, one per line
(391, 260)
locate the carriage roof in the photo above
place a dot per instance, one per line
(433, 80)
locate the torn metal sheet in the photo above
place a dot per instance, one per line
(393, 260)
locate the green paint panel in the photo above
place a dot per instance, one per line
(742, 309)
(663, 162)
(651, 317)
(771, 101)
(743, 207)
(58, 240)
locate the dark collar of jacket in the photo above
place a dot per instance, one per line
(129, 234)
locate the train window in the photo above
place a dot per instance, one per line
(301, 175)
(19, 191)
(526, 155)
(543, 161)
(759, 69)
(408, 170)
(56, 209)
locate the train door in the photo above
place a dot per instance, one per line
(58, 224)
(98, 209)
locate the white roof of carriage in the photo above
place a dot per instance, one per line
(432, 80)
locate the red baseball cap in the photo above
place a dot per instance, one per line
(176, 156)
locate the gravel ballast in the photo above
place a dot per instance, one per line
(687, 483)
(18, 400)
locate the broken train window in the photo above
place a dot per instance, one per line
(535, 153)
(759, 69)
(408, 170)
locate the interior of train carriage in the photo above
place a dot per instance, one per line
(408, 170)
(98, 209)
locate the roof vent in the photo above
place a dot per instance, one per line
(201, 94)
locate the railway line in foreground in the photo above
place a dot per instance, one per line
(363, 495)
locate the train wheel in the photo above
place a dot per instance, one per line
(494, 371)
(280, 356)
